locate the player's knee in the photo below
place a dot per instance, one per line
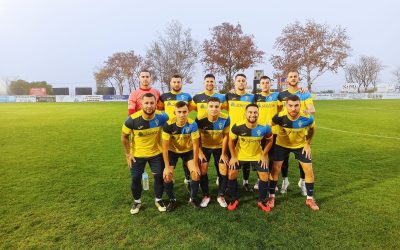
(204, 169)
(263, 176)
(232, 175)
(194, 175)
(223, 170)
(309, 177)
(168, 178)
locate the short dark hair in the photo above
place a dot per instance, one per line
(149, 95)
(214, 99)
(293, 98)
(209, 76)
(177, 76)
(251, 105)
(265, 78)
(293, 70)
(181, 104)
(243, 75)
(145, 70)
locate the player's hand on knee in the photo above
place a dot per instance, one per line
(307, 151)
(263, 162)
(233, 163)
(130, 159)
(202, 157)
(224, 159)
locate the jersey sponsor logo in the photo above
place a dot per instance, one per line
(243, 133)
(146, 133)
(238, 105)
(203, 101)
(169, 98)
(140, 127)
(265, 105)
(250, 139)
(174, 132)
(213, 132)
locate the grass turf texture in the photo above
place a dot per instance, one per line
(64, 183)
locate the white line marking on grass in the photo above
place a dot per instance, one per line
(349, 132)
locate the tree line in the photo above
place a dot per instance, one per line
(311, 48)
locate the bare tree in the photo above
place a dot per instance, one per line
(120, 70)
(229, 51)
(312, 49)
(175, 52)
(365, 72)
(396, 74)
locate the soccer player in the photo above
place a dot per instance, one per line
(144, 129)
(199, 103)
(296, 130)
(248, 152)
(167, 102)
(267, 102)
(237, 103)
(169, 99)
(135, 98)
(180, 139)
(214, 130)
(307, 106)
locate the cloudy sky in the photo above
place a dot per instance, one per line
(63, 42)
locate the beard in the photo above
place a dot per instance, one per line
(177, 89)
(149, 113)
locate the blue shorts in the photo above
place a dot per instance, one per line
(282, 153)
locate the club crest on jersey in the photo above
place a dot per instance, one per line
(202, 106)
(169, 104)
(156, 121)
(232, 104)
(246, 98)
(300, 123)
(258, 132)
(220, 125)
(187, 130)
(140, 134)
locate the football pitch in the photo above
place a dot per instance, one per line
(64, 183)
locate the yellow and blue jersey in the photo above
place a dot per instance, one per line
(212, 133)
(180, 138)
(248, 145)
(305, 99)
(267, 107)
(199, 102)
(292, 133)
(237, 105)
(145, 133)
(171, 98)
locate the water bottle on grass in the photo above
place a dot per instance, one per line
(145, 181)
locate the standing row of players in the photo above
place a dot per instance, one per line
(248, 140)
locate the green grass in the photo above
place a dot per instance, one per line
(64, 184)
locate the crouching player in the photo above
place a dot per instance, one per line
(180, 139)
(145, 128)
(214, 131)
(295, 133)
(248, 153)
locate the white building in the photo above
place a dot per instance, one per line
(3, 87)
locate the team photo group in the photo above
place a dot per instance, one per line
(242, 132)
